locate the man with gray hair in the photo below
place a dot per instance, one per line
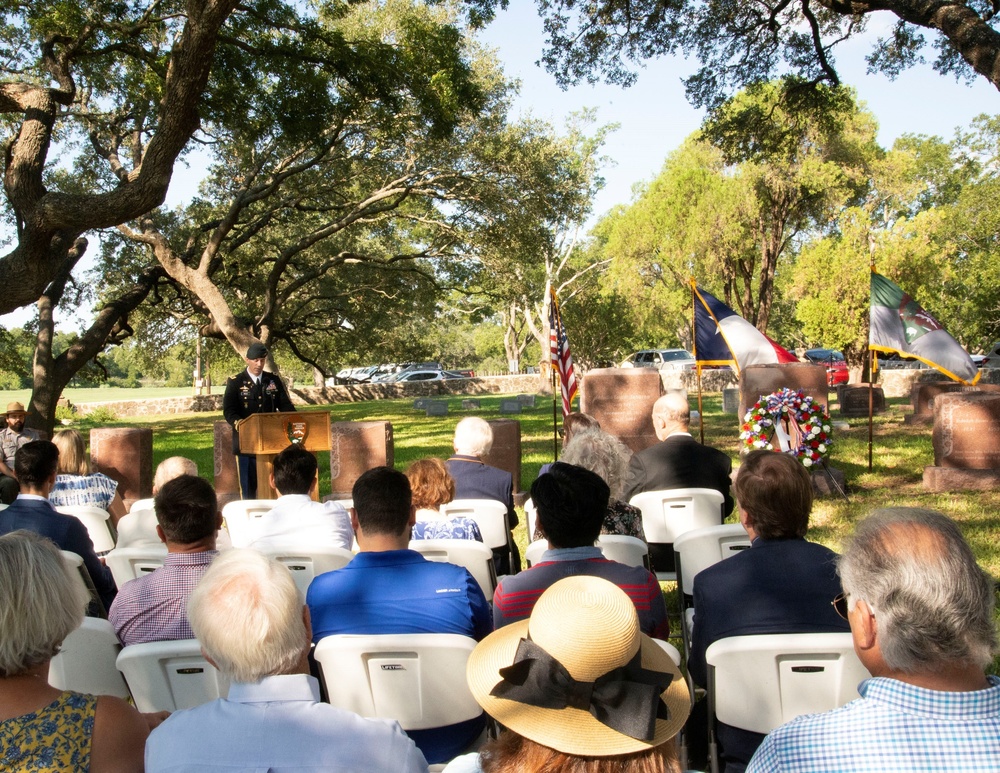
(474, 479)
(249, 617)
(922, 615)
(677, 461)
(137, 528)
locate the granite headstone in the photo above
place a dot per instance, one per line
(126, 455)
(758, 380)
(355, 448)
(621, 399)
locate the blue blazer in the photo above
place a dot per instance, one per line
(475, 480)
(67, 532)
(777, 586)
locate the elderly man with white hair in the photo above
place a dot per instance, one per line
(253, 626)
(922, 615)
(475, 479)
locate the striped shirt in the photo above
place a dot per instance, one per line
(516, 595)
(893, 727)
(153, 608)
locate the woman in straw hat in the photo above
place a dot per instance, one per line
(578, 688)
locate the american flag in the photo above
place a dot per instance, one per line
(561, 358)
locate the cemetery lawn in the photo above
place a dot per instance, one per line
(900, 453)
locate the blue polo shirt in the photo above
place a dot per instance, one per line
(400, 591)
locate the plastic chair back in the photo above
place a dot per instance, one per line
(490, 515)
(170, 675)
(129, 563)
(86, 661)
(306, 563)
(535, 550)
(417, 679)
(137, 528)
(701, 548)
(624, 549)
(471, 554)
(240, 515)
(97, 523)
(668, 514)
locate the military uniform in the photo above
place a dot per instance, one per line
(242, 399)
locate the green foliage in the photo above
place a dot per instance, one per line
(101, 415)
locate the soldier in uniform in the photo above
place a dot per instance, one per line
(249, 392)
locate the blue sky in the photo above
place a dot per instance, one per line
(655, 117)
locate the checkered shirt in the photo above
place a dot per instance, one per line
(893, 727)
(153, 608)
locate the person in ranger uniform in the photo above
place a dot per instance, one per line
(252, 391)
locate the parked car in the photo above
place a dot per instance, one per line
(836, 366)
(980, 360)
(418, 375)
(661, 359)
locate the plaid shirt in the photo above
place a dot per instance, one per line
(894, 726)
(152, 608)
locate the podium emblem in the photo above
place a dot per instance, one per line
(296, 431)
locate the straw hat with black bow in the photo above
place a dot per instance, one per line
(578, 676)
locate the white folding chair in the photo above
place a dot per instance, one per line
(97, 523)
(668, 514)
(240, 515)
(86, 661)
(470, 553)
(306, 563)
(534, 552)
(697, 550)
(758, 683)
(531, 516)
(490, 515)
(137, 528)
(671, 650)
(170, 675)
(79, 571)
(418, 679)
(624, 549)
(129, 563)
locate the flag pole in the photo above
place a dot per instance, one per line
(871, 403)
(697, 364)
(555, 426)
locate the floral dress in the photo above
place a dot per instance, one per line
(54, 738)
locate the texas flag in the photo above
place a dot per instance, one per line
(723, 337)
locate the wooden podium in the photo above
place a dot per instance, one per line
(268, 434)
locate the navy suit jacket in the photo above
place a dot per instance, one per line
(680, 461)
(67, 532)
(475, 480)
(777, 586)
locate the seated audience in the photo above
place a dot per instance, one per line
(608, 457)
(572, 424)
(138, 527)
(152, 607)
(577, 688)
(249, 618)
(475, 479)
(35, 465)
(571, 504)
(13, 435)
(782, 584)
(432, 487)
(923, 618)
(388, 588)
(76, 485)
(43, 728)
(297, 519)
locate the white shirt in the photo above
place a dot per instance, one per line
(296, 520)
(278, 724)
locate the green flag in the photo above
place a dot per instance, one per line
(899, 324)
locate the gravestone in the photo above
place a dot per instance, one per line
(966, 442)
(470, 405)
(730, 400)
(853, 399)
(421, 403)
(510, 406)
(226, 473)
(527, 401)
(506, 450)
(621, 399)
(355, 448)
(757, 380)
(126, 455)
(437, 408)
(922, 397)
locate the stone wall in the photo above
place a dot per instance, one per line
(898, 382)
